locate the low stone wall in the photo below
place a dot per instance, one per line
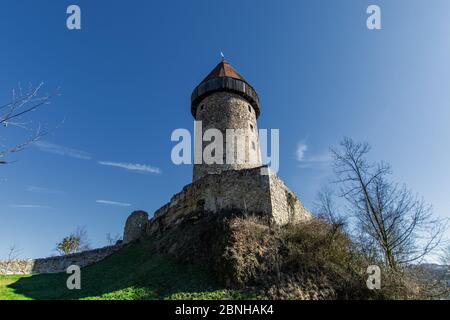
(56, 264)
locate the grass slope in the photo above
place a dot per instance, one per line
(132, 273)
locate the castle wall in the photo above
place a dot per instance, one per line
(56, 264)
(243, 190)
(135, 226)
(286, 207)
(225, 110)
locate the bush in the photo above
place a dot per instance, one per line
(310, 260)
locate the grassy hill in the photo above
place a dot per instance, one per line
(208, 256)
(133, 273)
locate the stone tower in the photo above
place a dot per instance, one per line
(225, 100)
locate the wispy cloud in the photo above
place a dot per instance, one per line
(61, 150)
(308, 161)
(114, 203)
(43, 190)
(30, 206)
(300, 152)
(135, 167)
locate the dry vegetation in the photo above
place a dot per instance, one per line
(314, 260)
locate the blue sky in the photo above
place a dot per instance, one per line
(127, 76)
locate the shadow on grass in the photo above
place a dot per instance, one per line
(132, 273)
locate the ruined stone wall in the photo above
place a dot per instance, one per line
(135, 226)
(286, 207)
(56, 264)
(244, 190)
(224, 110)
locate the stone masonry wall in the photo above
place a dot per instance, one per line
(222, 111)
(56, 264)
(245, 190)
(235, 189)
(286, 207)
(135, 226)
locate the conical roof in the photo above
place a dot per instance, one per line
(224, 69)
(224, 78)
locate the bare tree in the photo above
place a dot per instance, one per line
(112, 240)
(325, 207)
(13, 114)
(445, 256)
(75, 242)
(13, 254)
(398, 225)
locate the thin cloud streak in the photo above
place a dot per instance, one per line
(29, 206)
(43, 190)
(135, 167)
(61, 150)
(114, 203)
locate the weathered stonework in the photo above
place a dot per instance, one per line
(285, 205)
(56, 264)
(135, 226)
(246, 191)
(224, 100)
(222, 111)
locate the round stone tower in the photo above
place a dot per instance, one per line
(224, 100)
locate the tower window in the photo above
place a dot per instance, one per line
(201, 107)
(253, 145)
(251, 128)
(249, 109)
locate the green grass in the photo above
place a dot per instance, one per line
(134, 273)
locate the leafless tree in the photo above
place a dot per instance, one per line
(398, 225)
(445, 256)
(13, 114)
(326, 208)
(13, 253)
(112, 240)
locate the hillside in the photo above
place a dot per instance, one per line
(224, 256)
(133, 273)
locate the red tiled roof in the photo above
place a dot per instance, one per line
(223, 69)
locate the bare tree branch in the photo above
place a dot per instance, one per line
(397, 224)
(21, 105)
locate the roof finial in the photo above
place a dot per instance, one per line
(222, 55)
